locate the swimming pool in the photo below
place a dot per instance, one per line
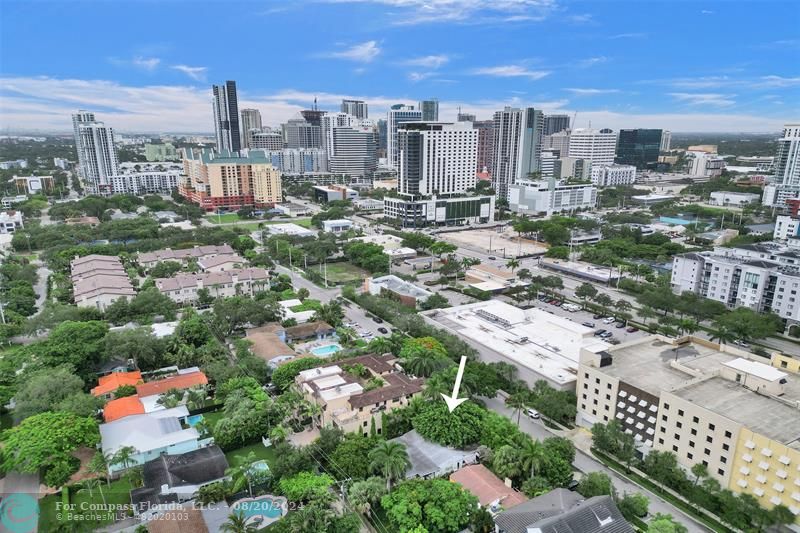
(262, 510)
(675, 220)
(194, 420)
(326, 350)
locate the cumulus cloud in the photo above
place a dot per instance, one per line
(511, 71)
(431, 61)
(464, 11)
(362, 53)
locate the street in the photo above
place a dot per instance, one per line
(585, 463)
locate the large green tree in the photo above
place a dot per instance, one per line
(435, 504)
(458, 429)
(80, 344)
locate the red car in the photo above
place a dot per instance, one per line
(632, 329)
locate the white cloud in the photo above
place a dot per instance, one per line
(778, 81)
(634, 35)
(431, 61)
(196, 73)
(706, 12)
(464, 11)
(583, 18)
(362, 53)
(712, 99)
(592, 61)
(419, 76)
(45, 104)
(590, 92)
(705, 82)
(511, 71)
(147, 63)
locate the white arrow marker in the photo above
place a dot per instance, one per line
(455, 401)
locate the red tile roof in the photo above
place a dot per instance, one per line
(487, 487)
(180, 381)
(115, 380)
(122, 407)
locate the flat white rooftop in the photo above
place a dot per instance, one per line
(315, 373)
(547, 344)
(754, 368)
(329, 381)
(288, 229)
(341, 392)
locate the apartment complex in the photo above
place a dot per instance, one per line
(148, 182)
(720, 406)
(228, 181)
(98, 281)
(551, 196)
(295, 160)
(353, 151)
(786, 169)
(299, 133)
(97, 153)
(357, 108)
(150, 259)
(599, 146)
(184, 288)
(160, 151)
(613, 175)
(397, 115)
(762, 277)
(348, 401)
(430, 110)
(555, 124)
(225, 105)
(485, 130)
(251, 123)
(266, 140)
(517, 146)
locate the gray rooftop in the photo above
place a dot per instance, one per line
(553, 503)
(427, 457)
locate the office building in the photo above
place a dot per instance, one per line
(557, 142)
(251, 122)
(705, 164)
(382, 137)
(430, 110)
(225, 105)
(517, 146)
(266, 140)
(353, 151)
(61, 163)
(613, 175)
(330, 121)
(597, 145)
(436, 158)
(707, 404)
(158, 151)
(397, 115)
(229, 181)
(549, 165)
(465, 117)
(435, 211)
(485, 130)
(357, 108)
(786, 227)
(330, 193)
(296, 160)
(555, 123)
(97, 153)
(572, 167)
(763, 277)
(638, 147)
(299, 133)
(550, 196)
(666, 140)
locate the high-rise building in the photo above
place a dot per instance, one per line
(613, 175)
(298, 133)
(330, 121)
(97, 154)
(229, 181)
(397, 115)
(313, 116)
(436, 158)
(251, 121)
(295, 160)
(485, 144)
(666, 140)
(786, 185)
(357, 108)
(517, 146)
(597, 145)
(382, 135)
(557, 142)
(465, 117)
(353, 151)
(430, 110)
(266, 140)
(638, 147)
(555, 123)
(226, 117)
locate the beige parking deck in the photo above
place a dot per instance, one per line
(504, 243)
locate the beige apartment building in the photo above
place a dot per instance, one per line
(183, 255)
(344, 399)
(734, 412)
(229, 181)
(183, 289)
(99, 280)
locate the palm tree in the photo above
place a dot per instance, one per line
(91, 484)
(687, 326)
(124, 457)
(237, 523)
(423, 365)
(279, 433)
(391, 460)
(512, 264)
(171, 398)
(517, 403)
(531, 453)
(380, 345)
(723, 335)
(196, 397)
(241, 473)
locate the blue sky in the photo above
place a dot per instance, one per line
(690, 65)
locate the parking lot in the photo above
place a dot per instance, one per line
(588, 317)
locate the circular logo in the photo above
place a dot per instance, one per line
(19, 513)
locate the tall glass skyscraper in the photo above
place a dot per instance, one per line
(226, 117)
(639, 147)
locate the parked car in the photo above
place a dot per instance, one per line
(533, 413)
(492, 258)
(600, 332)
(377, 320)
(609, 320)
(573, 485)
(740, 343)
(613, 341)
(383, 330)
(597, 316)
(588, 324)
(557, 303)
(606, 335)
(619, 325)
(632, 329)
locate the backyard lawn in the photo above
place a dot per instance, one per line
(342, 272)
(117, 494)
(223, 219)
(236, 457)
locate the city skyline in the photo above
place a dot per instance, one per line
(603, 60)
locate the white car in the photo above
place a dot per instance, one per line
(609, 320)
(533, 413)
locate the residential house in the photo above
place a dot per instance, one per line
(404, 291)
(150, 435)
(150, 259)
(99, 280)
(108, 384)
(177, 478)
(149, 393)
(221, 263)
(344, 399)
(492, 493)
(183, 289)
(429, 460)
(317, 330)
(268, 343)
